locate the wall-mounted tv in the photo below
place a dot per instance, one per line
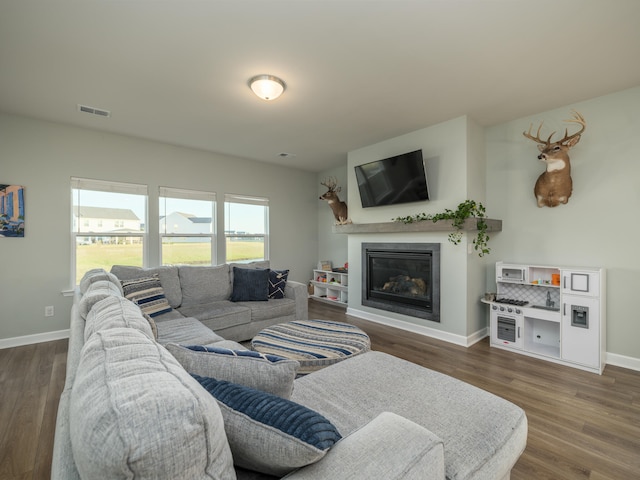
(399, 179)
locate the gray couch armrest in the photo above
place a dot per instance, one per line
(389, 447)
(298, 292)
(63, 466)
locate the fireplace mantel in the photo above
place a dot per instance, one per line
(470, 225)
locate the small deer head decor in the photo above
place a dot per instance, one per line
(554, 186)
(331, 196)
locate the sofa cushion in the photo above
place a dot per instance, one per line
(185, 330)
(96, 275)
(267, 433)
(481, 443)
(147, 293)
(262, 264)
(277, 283)
(95, 292)
(202, 284)
(219, 315)
(173, 430)
(170, 315)
(168, 275)
(269, 373)
(116, 312)
(230, 344)
(282, 307)
(388, 447)
(256, 264)
(152, 324)
(250, 285)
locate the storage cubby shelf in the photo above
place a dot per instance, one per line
(332, 287)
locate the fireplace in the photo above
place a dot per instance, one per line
(402, 278)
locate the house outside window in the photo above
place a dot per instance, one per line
(246, 228)
(97, 205)
(187, 227)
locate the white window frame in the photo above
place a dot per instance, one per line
(78, 183)
(247, 200)
(182, 194)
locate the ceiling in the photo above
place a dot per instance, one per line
(357, 71)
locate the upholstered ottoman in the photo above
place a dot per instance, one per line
(315, 344)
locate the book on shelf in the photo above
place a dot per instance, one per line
(324, 265)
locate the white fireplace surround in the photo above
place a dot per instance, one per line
(454, 160)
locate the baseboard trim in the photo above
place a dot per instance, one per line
(623, 361)
(36, 338)
(476, 337)
(420, 329)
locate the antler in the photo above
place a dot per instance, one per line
(577, 118)
(331, 184)
(537, 138)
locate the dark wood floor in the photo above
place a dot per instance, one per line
(31, 381)
(581, 425)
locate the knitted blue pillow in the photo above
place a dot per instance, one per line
(270, 434)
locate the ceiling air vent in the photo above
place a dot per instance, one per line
(94, 111)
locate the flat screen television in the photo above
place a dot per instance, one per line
(399, 179)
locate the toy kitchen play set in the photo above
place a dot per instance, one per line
(552, 313)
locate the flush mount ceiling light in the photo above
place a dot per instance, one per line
(267, 87)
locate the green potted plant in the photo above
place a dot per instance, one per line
(467, 209)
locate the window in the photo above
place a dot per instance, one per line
(187, 227)
(246, 228)
(97, 205)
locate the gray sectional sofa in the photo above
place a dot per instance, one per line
(205, 292)
(173, 400)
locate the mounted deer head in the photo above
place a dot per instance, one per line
(554, 186)
(331, 196)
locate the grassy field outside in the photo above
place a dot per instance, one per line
(105, 256)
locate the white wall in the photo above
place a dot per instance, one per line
(599, 225)
(477, 313)
(447, 149)
(42, 156)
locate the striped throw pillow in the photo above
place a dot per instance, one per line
(148, 294)
(267, 433)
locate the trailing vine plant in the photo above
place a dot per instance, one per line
(467, 209)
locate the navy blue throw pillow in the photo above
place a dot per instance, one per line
(277, 283)
(267, 433)
(250, 285)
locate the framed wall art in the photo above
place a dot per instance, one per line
(11, 211)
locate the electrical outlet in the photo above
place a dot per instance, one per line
(48, 311)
